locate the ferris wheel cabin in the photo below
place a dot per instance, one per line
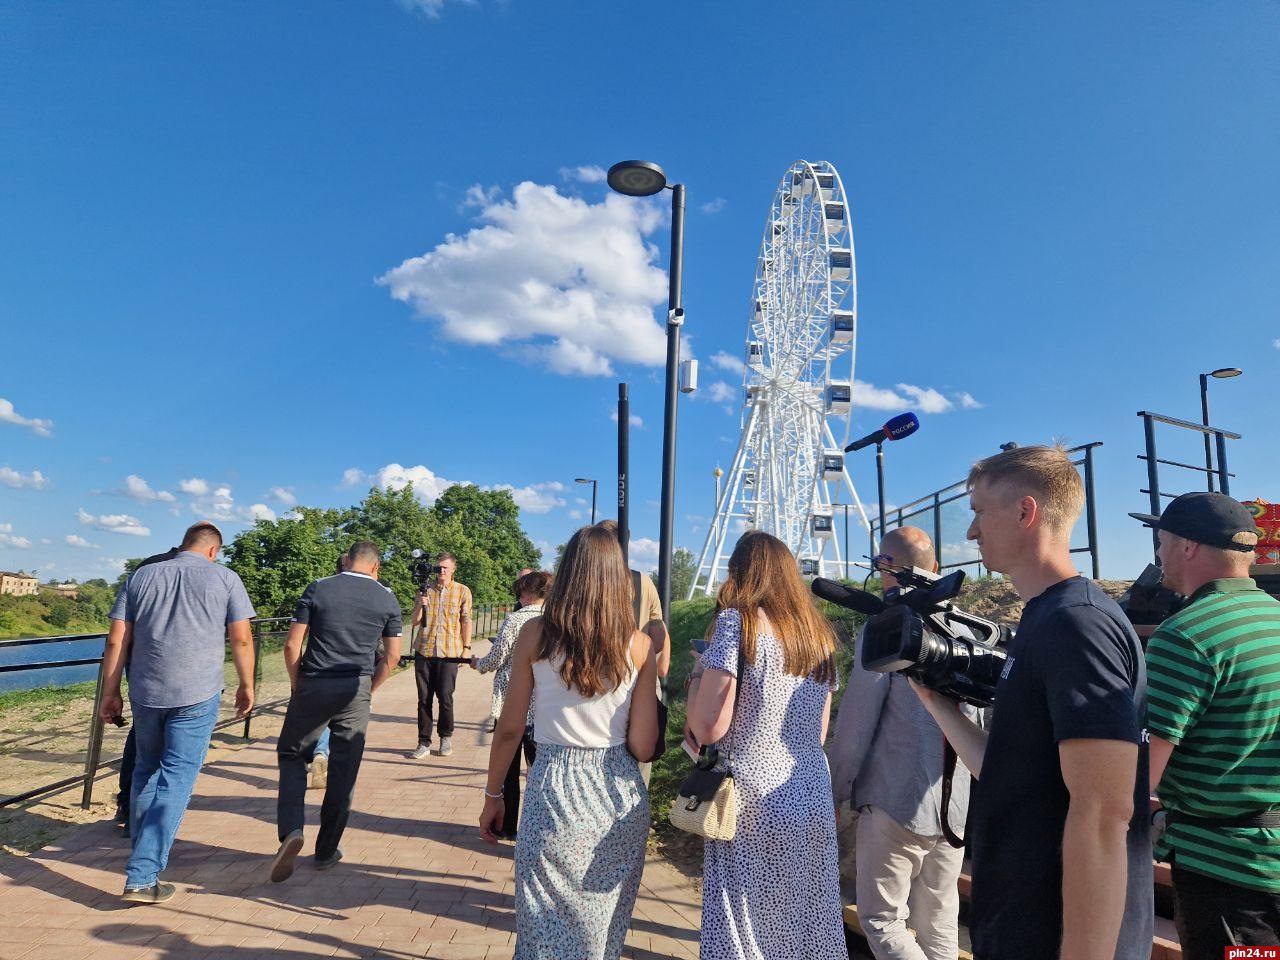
(808, 566)
(842, 264)
(839, 397)
(832, 465)
(842, 326)
(823, 525)
(755, 354)
(834, 212)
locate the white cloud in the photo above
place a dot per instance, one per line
(726, 361)
(41, 428)
(1276, 344)
(8, 539)
(926, 399)
(632, 419)
(426, 485)
(283, 495)
(642, 554)
(113, 523)
(135, 488)
(6, 528)
(353, 476)
(588, 174)
(195, 486)
(430, 8)
(35, 480)
(714, 206)
(721, 392)
(220, 506)
(113, 564)
(906, 395)
(575, 515)
(78, 541)
(535, 498)
(960, 552)
(875, 398)
(558, 281)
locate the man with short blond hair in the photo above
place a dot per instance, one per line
(1058, 831)
(442, 614)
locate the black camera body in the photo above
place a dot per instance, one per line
(1148, 601)
(916, 631)
(423, 568)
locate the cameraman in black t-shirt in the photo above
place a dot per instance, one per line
(1058, 829)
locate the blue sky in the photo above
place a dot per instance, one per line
(209, 273)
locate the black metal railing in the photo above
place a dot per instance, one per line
(1210, 470)
(932, 504)
(486, 619)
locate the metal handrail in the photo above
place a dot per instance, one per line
(935, 501)
(487, 618)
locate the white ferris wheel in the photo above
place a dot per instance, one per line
(788, 475)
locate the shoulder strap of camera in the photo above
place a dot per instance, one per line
(948, 772)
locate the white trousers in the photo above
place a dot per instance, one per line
(908, 900)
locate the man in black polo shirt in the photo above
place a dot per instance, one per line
(350, 616)
(1058, 830)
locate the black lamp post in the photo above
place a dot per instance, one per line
(640, 178)
(593, 496)
(1222, 373)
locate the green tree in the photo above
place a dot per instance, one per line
(277, 559)
(482, 529)
(59, 614)
(683, 568)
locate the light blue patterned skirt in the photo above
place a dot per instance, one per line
(580, 853)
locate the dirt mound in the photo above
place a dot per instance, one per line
(997, 600)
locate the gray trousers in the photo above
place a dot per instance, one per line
(341, 704)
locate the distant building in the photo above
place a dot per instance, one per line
(68, 590)
(18, 585)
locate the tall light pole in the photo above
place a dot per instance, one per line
(1222, 374)
(641, 178)
(593, 496)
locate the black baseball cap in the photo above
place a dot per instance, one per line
(1214, 519)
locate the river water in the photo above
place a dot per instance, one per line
(43, 653)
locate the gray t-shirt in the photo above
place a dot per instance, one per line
(347, 614)
(180, 610)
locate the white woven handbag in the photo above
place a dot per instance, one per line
(708, 805)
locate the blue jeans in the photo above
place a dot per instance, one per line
(322, 745)
(172, 742)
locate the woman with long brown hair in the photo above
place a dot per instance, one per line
(592, 678)
(773, 891)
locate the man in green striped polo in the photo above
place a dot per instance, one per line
(1213, 712)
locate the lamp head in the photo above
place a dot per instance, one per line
(636, 178)
(1224, 372)
(583, 480)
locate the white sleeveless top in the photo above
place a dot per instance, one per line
(563, 716)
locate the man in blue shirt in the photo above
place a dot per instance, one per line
(886, 761)
(169, 623)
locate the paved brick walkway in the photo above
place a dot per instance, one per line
(416, 882)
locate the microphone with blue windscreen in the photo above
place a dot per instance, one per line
(903, 425)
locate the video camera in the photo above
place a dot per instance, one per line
(916, 631)
(1148, 601)
(423, 568)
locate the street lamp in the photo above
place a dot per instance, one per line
(593, 496)
(1223, 373)
(641, 178)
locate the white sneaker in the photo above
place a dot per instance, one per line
(319, 772)
(446, 746)
(422, 752)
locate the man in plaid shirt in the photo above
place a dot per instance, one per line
(442, 621)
